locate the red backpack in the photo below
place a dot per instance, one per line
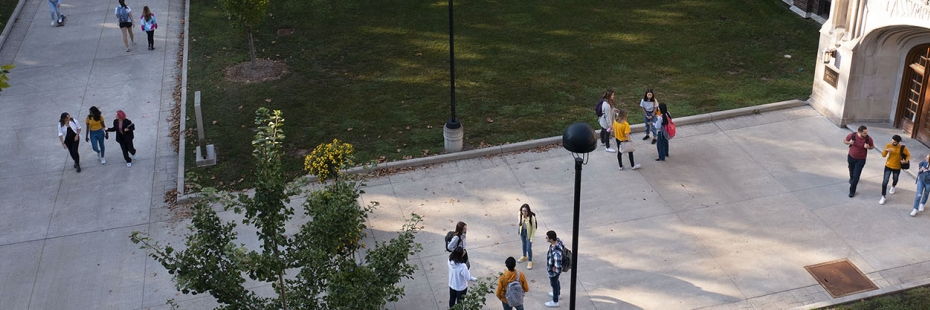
(669, 128)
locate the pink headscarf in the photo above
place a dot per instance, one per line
(120, 114)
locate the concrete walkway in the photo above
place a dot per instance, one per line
(728, 222)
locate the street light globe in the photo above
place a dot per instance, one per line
(579, 138)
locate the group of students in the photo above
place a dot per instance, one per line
(614, 121)
(512, 284)
(69, 134)
(123, 16)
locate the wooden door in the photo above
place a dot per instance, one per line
(914, 103)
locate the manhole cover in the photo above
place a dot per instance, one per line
(840, 278)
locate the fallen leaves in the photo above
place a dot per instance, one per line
(490, 120)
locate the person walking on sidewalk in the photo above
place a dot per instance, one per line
(621, 130)
(503, 285)
(649, 107)
(69, 133)
(527, 227)
(149, 24)
(124, 17)
(897, 154)
(96, 133)
(859, 144)
(604, 111)
(662, 117)
(554, 267)
(923, 185)
(55, 7)
(458, 276)
(124, 128)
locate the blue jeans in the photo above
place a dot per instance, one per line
(508, 307)
(527, 245)
(888, 173)
(556, 287)
(53, 7)
(855, 170)
(923, 190)
(456, 296)
(662, 146)
(649, 128)
(96, 138)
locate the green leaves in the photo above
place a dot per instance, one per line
(4, 69)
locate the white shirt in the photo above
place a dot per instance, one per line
(63, 130)
(458, 276)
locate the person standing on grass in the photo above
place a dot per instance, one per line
(662, 117)
(124, 134)
(604, 118)
(859, 144)
(894, 152)
(149, 25)
(923, 185)
(510, 275)
(554, 267)
(621, 130)
(458, 276)
(124, 18)
(69, 134)
(649, 107)
(527, 227)
(96, 132)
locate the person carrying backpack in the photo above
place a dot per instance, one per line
(458, 240)
(511, 286)
(604, 109)
(661, 120)
(554, 267)
(124, 18)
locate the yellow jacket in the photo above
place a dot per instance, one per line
(621, 130)
(894, 156)
(505, 279)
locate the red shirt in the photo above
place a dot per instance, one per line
(857, 150)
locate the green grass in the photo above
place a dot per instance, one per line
(912, 299)
(6, 9)
(531, 66)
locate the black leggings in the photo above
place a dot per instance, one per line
(456, 296)
(151, 35)
(73, 146)
(605, 137)
(620, 157)
(127, 148)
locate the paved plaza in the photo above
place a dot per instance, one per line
(728, 222)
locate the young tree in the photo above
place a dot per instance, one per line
(248, 14)
(319, 267)
(4, 69)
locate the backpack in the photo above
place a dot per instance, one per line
(449, 239)
(599, 108)
(122, 15)
(670, 128)
(566, 259)
(514, 294)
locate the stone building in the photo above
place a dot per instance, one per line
(873, 62)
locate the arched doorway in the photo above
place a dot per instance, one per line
(914, 100)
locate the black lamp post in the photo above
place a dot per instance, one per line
(453, 123)
(578, 138)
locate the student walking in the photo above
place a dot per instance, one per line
(897, 154)
(923, 185)
(458, 276)
(511, 299)
(124, 128)
(621, 130)
(124, 17)
(55, 7)
(859, 144)
(149, 24)
(662, 117)
(554, 267)
(527, 228)
(649, 107)
(604, 111)
(96, 133)
(69, 134)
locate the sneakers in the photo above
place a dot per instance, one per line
(127, 49)
(920, 208)
(78, 168)
(881, 201)
(646, 138)
(103, 161)
(128, 165)
(473, 279)
(522, 259)
(635, 167)
(560, 297)
(654, 141)
(914, 212)
(891, 191)
(551, 304)
(529, 266)
(621, 168)
(53, 23)
(610, 150)
(133, 156)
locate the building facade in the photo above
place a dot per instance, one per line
(873, 63)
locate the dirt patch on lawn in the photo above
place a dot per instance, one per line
(263, 70)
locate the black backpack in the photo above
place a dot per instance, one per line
(599, 108)
(566, 259)
(449, 239)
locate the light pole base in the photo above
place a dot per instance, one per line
(453, 136)
(209, 160)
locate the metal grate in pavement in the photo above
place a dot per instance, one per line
(841, 278)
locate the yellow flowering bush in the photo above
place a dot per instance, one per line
(328, 160)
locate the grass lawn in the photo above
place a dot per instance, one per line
(6, 9)
(376, 73)
(912, 299)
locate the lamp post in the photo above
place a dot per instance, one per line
(452, 132)
(579, 139)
